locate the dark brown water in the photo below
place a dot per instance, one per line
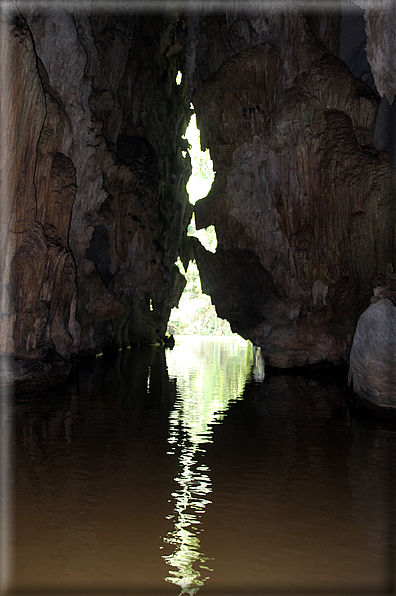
(180, 472)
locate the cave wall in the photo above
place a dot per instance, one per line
(38, 271)
(303, 203)
(96, 179)
(93, 171)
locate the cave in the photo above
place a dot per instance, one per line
(299, 120)
(295, 102)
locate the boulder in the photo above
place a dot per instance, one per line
(372, 368)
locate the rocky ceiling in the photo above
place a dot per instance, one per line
(93, 174)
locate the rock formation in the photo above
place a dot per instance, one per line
(372, 371)
(380, 19)
(96, 179)
(373, 354)
(38, 186)
(302, 203)
(93, 174)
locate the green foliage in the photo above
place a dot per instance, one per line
(196, 314)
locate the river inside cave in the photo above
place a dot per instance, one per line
(183, 471)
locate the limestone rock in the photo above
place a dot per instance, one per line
(372, 366)
(299, 185)
(380, 18)
(17, 165)
(115, 75)
(95, 177)
(38, 307)
(94, 173)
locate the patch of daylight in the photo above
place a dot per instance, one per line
(195, 313)
(199, 183)
(206, 236)
(202, 175)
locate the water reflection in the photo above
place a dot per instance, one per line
(190, 502)
(378, 452)
(297, 489)
(210, 377)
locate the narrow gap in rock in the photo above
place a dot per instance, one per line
(196, 315)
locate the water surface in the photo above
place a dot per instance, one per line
(184, 471)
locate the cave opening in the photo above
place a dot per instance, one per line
(195, 313)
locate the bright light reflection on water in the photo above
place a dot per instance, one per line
(205, 390)
(264, 487)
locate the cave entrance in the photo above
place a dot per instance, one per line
(195, 314)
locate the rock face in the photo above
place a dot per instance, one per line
(303, 205)
(373, 355)
(380, 19)
(39, 293)
(130, 209)
(93, 171)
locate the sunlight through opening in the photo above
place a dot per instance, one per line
(196, 315)
(202, 175)
(199, 183)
